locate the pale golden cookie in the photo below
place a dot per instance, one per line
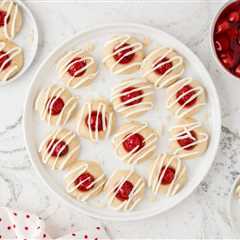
(135, 142)
(56, 105)
(125, 190)
(123, 54)
(162, 67)
(84, 180)
(59, 149)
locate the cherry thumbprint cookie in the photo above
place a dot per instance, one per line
(124, 190)
(167, 175)
(10, 19)
(123, 54)
(77, 68)
(96, 120)
(59, 149)
(185, 98)
(11, 59)
(162, 67)
(56, 105)
(84, 180)
(189, 139)
(132, 98)
(135, 142)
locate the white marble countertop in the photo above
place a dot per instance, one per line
(203, 214)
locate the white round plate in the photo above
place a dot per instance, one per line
(35, 130)
(27, 39)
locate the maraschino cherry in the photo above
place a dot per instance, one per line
(60, 148)
(124, 191)
(123, 52)
(168, 176)
(55, 105)
(164, 66)
(129, 93)
(95, 117)
(3, 15)
(75, 67)
(185, 94)
(186, 141)
(133, 141)
(5, 60)
(85, 182)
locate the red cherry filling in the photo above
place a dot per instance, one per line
(95, 118)
(185, 94)
(168, 176)
(55, 105)
(85, 182)
(164, 66)
(60, 148)
(3, 15)
(4, 60)
(75, 67)
(123, 52)
(185, 140)
(129, 93)
(124, 191)
(133, 141)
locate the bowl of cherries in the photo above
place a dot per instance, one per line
(225, 37)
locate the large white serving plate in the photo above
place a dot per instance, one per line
(158, 118)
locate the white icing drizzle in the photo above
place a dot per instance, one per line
(135, 48)
(55, 91)
(185, 132)
(132, 201)
(133, 157)
(12, 12)
(64, 64)
(173, 100)
(154, 180)
(141, 107)
(47, 154)
(101, 108)
(163, 80)
(80, 169)
(12, 53)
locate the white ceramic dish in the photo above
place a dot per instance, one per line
(27, 39)
(35, 130)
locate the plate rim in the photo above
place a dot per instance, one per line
(122, 217)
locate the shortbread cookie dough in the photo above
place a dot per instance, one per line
(56, 105)
(135, 142)
(59, 149)
(96, 120)
(10, 19)
(162, 67)
(77, 68)
(167, 175)
(133, 97)
(123, 54)
(188, 139)
(11, 59)
(125, 190)
(84, 180)
(185, 98)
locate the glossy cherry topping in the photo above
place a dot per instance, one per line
(133, 141)
(60, 148)
(55, 105)
(187, 140)
(164, 66)
(129, 93)
(95, 118)
(124, 53)
(168, 176)
(124, 191)
(227, 37)
(3, 15)
(75, 67)
(85, 182)
(185, 94)
(4, 60)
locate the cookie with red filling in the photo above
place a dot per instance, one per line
(167, 175)
(77, 68)
(133, 97)
(56, 105)
(96, 120)
(186, 97)
(123, 54)
(84, 180)
(59, 149)
(125, 190)
(162, 67)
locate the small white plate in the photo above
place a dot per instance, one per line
(27, 39)
(35, 130)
